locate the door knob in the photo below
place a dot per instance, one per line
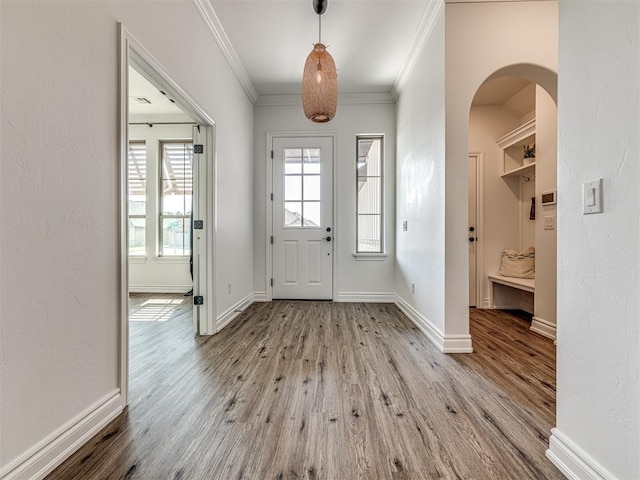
(328, 239)
(472, 239)
(472, 229)
(328, 229)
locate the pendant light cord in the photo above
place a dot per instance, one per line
(319, 28)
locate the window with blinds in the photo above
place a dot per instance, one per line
(176, 187)
(369, 197)
(137, 186)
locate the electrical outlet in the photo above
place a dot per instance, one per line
(413, 288)
(229, 288)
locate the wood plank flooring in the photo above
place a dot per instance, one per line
(321, 390)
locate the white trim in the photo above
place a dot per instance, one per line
(486, 303)
(370, 257)
(543, 327)
(160, 288)
(214, 26)
(137, 259)
(124, 214)
(291, 100)
(260, 297)
(572, 461)
(133, 52)
(171, 259)
(517, 134)
(427, 22)
(366, 297)
(232, 312)
(446, 343)
(46, 455)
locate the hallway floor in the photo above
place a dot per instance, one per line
(321, 390)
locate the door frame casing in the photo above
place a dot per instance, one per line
(271, 135)
(482, 301)
(131, 50)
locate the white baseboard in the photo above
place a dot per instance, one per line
(446, 343)
(46, 455)
(160, 288)
(227, 316)
(260, 297)
(366, 297)
(543, 327)
(572, 461)
(486, 303)
(507, 307)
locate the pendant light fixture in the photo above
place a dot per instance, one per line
(320, 79)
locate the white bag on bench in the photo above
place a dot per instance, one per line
(518, 264)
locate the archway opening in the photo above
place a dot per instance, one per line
(512, 135)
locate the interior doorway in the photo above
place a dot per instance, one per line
(167, 169)
(476, 227)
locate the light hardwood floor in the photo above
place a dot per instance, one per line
(321, 390)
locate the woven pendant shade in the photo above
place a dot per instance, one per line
(319, 85)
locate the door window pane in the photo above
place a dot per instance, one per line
(292, 214)
(312, 214)
(292, 160)
(292, 188)
(311, 187)
(311, 160)
(302, 187)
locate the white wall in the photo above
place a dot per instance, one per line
(481, 39)
(355, 279)
(546, 240)
(420, 186)
(598, 413)
(59, 190)
(153, 273)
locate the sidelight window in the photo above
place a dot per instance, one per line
(369, 197)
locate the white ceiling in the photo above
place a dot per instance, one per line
(140, 87)
(368, 39)
(516, 94)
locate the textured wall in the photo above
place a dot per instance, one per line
(599, 259)
(59, 195)
(420, 183)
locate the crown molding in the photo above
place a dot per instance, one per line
(343, 99)
(212, 22)
(427, 22)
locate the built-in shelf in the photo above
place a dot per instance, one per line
(512, 144)
(520, 171)
(517, 134)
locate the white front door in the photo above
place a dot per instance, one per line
(302, 218)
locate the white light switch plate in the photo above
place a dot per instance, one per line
(592, 197)
(549, 223)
